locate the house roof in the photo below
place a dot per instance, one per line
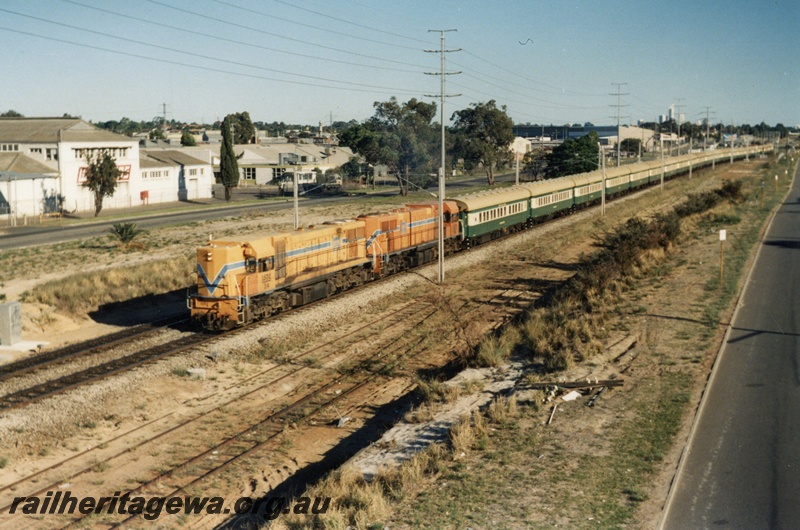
(171, 156)
(147, 162)
(51, 130)
(23, 164)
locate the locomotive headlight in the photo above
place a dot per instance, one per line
(208, 256)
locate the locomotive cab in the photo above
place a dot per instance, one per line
(228, 274)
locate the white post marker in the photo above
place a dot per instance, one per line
(723, 235)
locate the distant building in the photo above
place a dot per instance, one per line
(557, 134)
(51, 155)
(27, 186)
(63, 145)
(265, 163)
(167, 174)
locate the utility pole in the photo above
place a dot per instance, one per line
(680, 106)
(443, 73)
(164, 116)
(662, 162)
(603, 194)
(619, 117)
(708, 127)
(296, 202)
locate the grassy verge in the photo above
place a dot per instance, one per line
(82, 293)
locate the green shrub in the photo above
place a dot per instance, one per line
(125, 234)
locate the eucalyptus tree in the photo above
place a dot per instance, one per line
(483, 136)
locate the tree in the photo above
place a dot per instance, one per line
(631, 146)
(228, 165)
(400, 136)
(351, 169)
(574, 156)
(11, 114)
(535, 163)
(187, 139)
(101, 177)
(244, 132)
(157, 134)
(483, 135)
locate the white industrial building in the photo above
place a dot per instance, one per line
(51, 157)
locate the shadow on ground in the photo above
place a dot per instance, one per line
(142, 310)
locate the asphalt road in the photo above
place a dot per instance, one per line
(52, 233)
(742, 468)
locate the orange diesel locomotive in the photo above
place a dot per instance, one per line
(242, 281)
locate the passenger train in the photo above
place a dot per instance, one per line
(245, 279)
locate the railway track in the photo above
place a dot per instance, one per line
(274, 375)
(372, 369)
(216, 459)
(73, 352)
(95, 373)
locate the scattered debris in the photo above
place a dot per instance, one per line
(552, 413)
(571, 396)
(595, 397)
(342, 421)
(575, 384)
(197, 373)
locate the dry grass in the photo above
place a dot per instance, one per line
(85, 292)
(361, 504)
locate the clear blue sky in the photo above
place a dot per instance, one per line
(303, 61)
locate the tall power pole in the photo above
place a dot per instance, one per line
(164, 116)
(443, 73)
(708, 126)
(679, 106)
(619, 117)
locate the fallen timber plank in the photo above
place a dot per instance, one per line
(574, 384)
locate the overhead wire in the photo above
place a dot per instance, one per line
(350, 22)
(193, 54)
(318, 28)
(471, 73)
(194, 66)
(292, 39)
(232, 41)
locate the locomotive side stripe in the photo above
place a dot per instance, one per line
(414, 224)
(306, 250)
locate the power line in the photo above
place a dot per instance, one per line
(561, 90)
(232, 41)
(207, 68)
(380, 30)
(350, 35)
(192, 54)
(292, 39)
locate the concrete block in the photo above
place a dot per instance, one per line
(10, 323)
(197, 373)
